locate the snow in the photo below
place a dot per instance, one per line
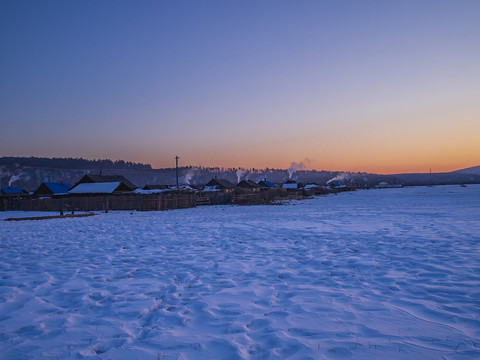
(211, 188)
(391, 273)
(95, 188)
(153, 191)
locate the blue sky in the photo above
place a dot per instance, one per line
(379, 86)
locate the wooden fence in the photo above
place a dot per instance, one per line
(70, 203)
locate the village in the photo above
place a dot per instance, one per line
(97, 192)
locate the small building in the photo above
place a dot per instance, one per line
(90, 178)
(336, 185)
(219, 185)
(12, 191)
(47, 188)
(249, 184)
(100, 188)
(265, 184)
(291, 185)
(311, 186)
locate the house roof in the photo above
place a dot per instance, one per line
(248, 184)
(222, 183)
(58, 188)
(95, 188)
(12, 190)
(267, 183)
(107, 178)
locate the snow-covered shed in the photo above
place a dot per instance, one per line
(291, 184)
(48, 188)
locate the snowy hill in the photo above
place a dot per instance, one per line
(475, 170)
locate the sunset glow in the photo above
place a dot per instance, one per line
(384, 87)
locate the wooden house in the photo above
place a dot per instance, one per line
(291, 185)
(219, 185)
(249, 184)
(265, 184)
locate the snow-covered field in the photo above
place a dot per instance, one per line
(376, 274)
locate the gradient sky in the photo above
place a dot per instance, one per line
(378, 86)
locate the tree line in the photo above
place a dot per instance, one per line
(72, 163)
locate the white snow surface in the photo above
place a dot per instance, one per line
(377, 274)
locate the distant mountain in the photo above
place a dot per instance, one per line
(475, 170)
(464, 176)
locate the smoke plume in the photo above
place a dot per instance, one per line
(302, 165)
(13, 179)
(240, 172)
(188, 177)
(340, 177)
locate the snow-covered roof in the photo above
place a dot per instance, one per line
(95, 188)
(108, 178)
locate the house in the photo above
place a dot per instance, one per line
(265, 184)
(47, 188)
(311, 186)
(249, 184)
(100, 188)
(291, 185)
(336, 185)
(11, 191)
(89, 178)
(219, 185)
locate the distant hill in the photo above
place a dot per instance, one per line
(72, 163)
(463, 176)
(475, 170)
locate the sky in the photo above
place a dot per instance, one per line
(378, 86)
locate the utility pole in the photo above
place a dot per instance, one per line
(176, 169)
